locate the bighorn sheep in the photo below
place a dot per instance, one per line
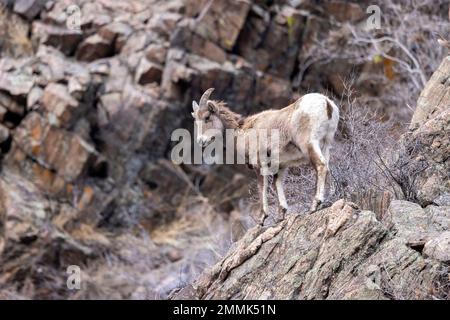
(306, 132)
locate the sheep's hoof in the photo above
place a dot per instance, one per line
(314, 206)
(263, 219)
(324, 205)
(319, 205)
(281, 214)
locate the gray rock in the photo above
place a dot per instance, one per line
(336, 253)
(29, 8)
(66, 40)
(439, 247)
(59, 104)
(148, 72)
(16, 84)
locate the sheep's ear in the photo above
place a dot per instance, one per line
(195, 106)
(211, 106)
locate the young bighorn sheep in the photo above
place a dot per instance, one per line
(306, 130)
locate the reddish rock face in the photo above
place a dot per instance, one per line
(66, 154)
(61, 107)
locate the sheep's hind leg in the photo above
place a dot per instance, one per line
(321, 166)
(282, 203)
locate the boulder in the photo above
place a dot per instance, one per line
(117, 33)
(64, 39)
(60, 105)
(95, 47)
(62, 152)
(35, 240)
(239, 85)
(156, 52)
(222, 22)
(417, 225)
(29, 8)
(16, 84)
(185, 38)
(435, 97)
(148, 72)
(272, 45)
(438, 248)
(422, 165)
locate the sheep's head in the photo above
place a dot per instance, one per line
(207, 122)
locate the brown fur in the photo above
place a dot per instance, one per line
(230, 119)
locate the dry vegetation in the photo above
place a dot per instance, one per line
(396, 60)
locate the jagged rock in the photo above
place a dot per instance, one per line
(39, 240)
(163, 23)
(156, 53)
(424, 151)
(185, 38)
(439, 247)
(63, 152)
(148, 72)
(337, 253)
(95, 47)
(117, 33)
(222, 22)
(60, 105)
(238, 84)
(16, 84)
(94, 15)
(64, 39)
(435, 97)
(415, 224)
(194, 7)
(29, 8)
(137, 41)
(54, 67)
(272, 45)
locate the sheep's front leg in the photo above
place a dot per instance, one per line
(263, 190)
(282, 202)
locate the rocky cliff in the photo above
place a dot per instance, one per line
(90, 92)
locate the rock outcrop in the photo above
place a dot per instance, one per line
(423, 165)
(337, 253)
